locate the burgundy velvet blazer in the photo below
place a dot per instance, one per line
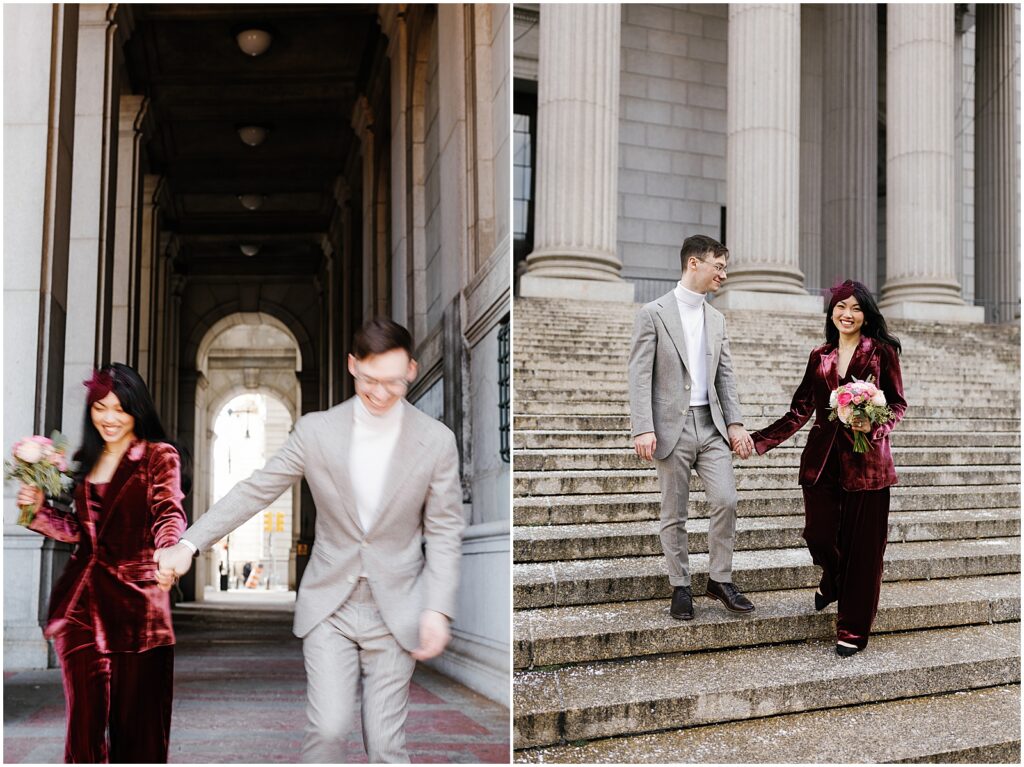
(873, 470)
(112, 567)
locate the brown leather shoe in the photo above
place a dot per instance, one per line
(682, 604)
(730, 596)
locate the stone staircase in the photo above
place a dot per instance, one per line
(603, 674)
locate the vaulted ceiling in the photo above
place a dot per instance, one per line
(202, 88)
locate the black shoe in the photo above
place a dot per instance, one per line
(845, 652)
(682, 604)
(729, 596)
(821, 602)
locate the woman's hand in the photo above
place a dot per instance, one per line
(859, 423)
(30, 497)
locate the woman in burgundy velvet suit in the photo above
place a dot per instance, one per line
(110, 621)
(846, 494)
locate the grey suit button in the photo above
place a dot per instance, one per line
(351, 579)
(364, 544)
(687, 387)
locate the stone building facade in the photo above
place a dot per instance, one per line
(819, 141)
(147, 221)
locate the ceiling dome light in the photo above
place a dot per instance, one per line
(250, 250)
(253, 135)
(254, 42)
(251, 201)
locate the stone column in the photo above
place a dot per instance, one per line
(92, 205)
(812, 68)
(127, 219)
(763, 172)
(148, 243)
(850, 152)
(997, 201)
(922, 280)
(39, 44)
(575, 246)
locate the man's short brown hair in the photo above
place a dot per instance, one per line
(378, 336)
(698, 246)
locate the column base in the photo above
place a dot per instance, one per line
(919, 310)
(531, 286)
(768, 301)
(25, 647)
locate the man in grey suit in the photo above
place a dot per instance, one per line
(685, 414)
(380, 587)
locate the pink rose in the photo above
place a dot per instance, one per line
(28, 451)
(844, 399)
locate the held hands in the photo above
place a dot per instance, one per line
(740, 440)
(172, 562)
(434, 635)
(645, 444)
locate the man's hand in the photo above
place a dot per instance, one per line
(741, 442)
(434, 635)
(645, 444)
(172, 562)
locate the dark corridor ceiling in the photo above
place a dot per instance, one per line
(202, 88)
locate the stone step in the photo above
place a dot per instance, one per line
(630, 507)
(775, 401)
(628, 539)
(596, 459)
(977, 726)
(649, 694)
(595, 581)
(764, 478)
(567, 635)
(526, 439)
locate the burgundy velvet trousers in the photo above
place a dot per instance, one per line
(846, 533)
(128, 693)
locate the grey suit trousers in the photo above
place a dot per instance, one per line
(703, 448)
(351, 646)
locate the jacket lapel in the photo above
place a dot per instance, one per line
(408, 454)
(136, 453)
(861, 358)
(342, 476)
(669, 313)
(830, 369)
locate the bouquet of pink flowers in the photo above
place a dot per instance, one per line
(859, 399)
(40, 462)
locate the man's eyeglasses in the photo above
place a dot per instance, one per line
(393, 385)
(717, 267)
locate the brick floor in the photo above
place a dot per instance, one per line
(239, 697)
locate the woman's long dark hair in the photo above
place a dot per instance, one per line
(874, 323)
(131, 391)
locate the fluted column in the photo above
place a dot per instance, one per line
(997, 227)
(763, 163)
(922, 280)
(812, 68)
(850, 152)
(127, 231)
(575, 250)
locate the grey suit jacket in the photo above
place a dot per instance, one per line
(659, 383)
(421, 504)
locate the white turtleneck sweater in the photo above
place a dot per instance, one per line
(691, 312)
(373, 442)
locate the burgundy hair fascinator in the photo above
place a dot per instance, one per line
(840, 293)
(99, 386)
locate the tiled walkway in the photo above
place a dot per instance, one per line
(239, 697)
